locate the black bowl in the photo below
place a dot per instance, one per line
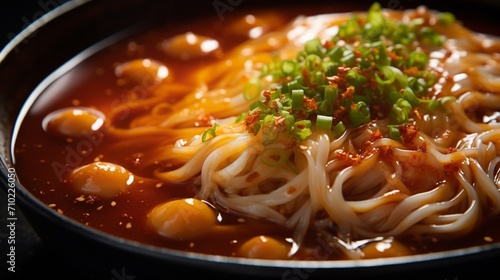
(76, 27)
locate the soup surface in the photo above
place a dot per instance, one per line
(127, 140)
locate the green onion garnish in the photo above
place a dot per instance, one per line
(373, 68)
(209, 133)
(394, 132)
(338, 129)
(324, 122)
(252, 90)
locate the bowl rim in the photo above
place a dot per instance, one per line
(29, 202)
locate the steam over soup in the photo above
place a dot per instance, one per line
(274, 135)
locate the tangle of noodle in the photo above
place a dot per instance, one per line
(366, 187)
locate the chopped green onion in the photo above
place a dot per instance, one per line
(319, 78)
(338, 129)
(400, 111)
(348, 58)
(241, 117)
(275, 95)
(297, 99)
(350, 28)
(252, 89)
(313, 47)
(302, 129)
(209, 132)
(392, 94)
(430, 37)
(329, 99)
(446, 19)
(447, 99)
(432, 105)
(335, 54)
(312, 63)
(324, 122)
(269, 133)
(331, 94)
(359, 113)
(378, 50)
(375, 20)
(394, 132)
(258, 105)
(410, 97)
(373, 64)
(293, 85)
(289, 67)
(418, 59)
(404, 104)
(390, 75)
(354, 78)
(400, 77)
(256, 128)
(289, 120)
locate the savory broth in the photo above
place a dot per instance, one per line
(93, 84)
(44, 156)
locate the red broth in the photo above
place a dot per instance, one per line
(41, 159)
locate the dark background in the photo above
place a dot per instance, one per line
(16, 15)
(34, 260)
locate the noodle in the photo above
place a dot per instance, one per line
(435, 205)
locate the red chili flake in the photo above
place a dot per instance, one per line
(340, 113)
(274, 105)
(251, 120)
(348, 93)
(392, 55)
(376, 135)
(328, 44)
(417, 114)
(307, 77)
(354, 106)
(279, 121)
(350, 158)
(267, 95)
(412, 71)
(342, 71)
(357, 53)
(336, 81)
(408, 133)
(310, 104)
(386, 152)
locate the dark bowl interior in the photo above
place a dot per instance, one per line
(78, 25)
